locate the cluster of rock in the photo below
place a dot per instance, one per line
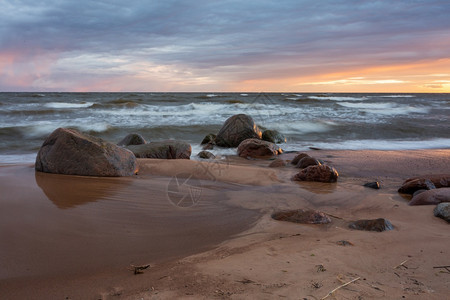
(430, 190)
(70, 152)
(242, 132)
(313, 169)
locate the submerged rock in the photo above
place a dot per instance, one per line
(237, 129)
(307, 161)
(298, 157)
(302, 216)
(425, 182)
(435, 196)
(132, 139)
(257, 148)
(70, 152)
(442, 211)
(273, 136)
(372, 225)
(277, 163)
(206, 155)
(373, 185)
(170, 149)
(322, 173)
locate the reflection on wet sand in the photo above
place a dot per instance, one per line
(68, 191)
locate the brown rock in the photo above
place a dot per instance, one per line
(273, 136)
(257, 148)
(298, 157)
(209, 138)
(132, 139)
(302, 216)
(206, 155)
(237, 129)
(277, 163)
(170, 149)
(435, 196)
(322, 173)
(68, 151)
(372, 225)
(427, 182)
(442, 211)
(307, 161)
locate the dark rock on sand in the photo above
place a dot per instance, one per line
(322, 173)
(257, 148)
(277, 163)
(273, 136)
(298, 157)
(170, 149)
(68, 151)
(435, 196)
(425, 182)
(206, 155)
(208, 139)
(132, 139)
(372, 225)
(302, 216)
(237, 129)
(373, 185)
(307, 161)
(442, 211)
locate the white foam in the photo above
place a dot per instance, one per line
(338, 98)
(385, 108)
(212, 95)
(395, 96)
(244, 95)
(68, 105)
(11, 159)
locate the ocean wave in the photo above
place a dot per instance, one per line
(68, 105)
(337, 98)
(386, 108)
(395, 96)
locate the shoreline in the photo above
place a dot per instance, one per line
(265, 259)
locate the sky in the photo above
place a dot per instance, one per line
(200, 46)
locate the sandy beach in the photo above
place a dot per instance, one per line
(206, 230)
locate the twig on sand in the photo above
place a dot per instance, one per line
(339, 287)
(139, 269)
(447, 268)
(402, 264)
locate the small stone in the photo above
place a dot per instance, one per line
(298, 157)
(442, 211)
(206, 155)
(372, 185)
(435, 196)
(372, 225)
(209, 138)
(273, 136)
(302, 216)
(307, 161)
(277, 163)
(132, 139)
(257, 148)
(322, 173)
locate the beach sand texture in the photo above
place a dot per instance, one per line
(72, 237)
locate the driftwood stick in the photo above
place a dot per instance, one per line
(139, 269)
(401, 264)
(341, 286)
(441, 267)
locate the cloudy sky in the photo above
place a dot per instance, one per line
(196, 45)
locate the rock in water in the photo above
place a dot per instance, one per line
(322, 173)
(307, 161)
(425, 182)
(277, 163)
(302, 216)
(373, 185)
(70, 152)
(237, 129)
(132, 139)
(298, 157)
(372, 225)
(210, 138)
(170, 149)
(442, 211)
(257, 148)
(435, 196)
(273, 136)
(206, 155)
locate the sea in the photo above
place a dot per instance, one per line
(321, 120)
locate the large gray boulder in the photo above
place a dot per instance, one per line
(237, 129)
(170, 149)
(257, 148)
(70, 152)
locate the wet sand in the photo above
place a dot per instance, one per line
(75, 237)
